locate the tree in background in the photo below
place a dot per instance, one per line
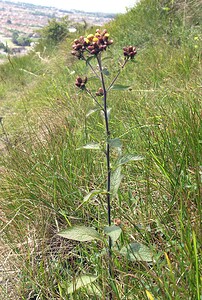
(55, 31)
(20, 40)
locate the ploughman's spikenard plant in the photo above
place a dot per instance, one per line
(86, 49)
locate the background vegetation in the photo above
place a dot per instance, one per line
(44, 179)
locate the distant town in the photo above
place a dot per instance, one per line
(25, 19)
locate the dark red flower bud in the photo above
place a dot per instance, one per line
(129, 52)
(110, 42)
(78, 47)
(76, 41)
(100, 92)
(79, 79)
(90, 48)
(80, 83)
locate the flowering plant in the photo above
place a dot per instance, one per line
(85, 48)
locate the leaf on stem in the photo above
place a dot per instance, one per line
(114, 232)
(89, 59)
(90, 195)
(119, 87)
(108, 112)
(116, 143)
(90, 146)
(129, 157)
(92, 111)
(137, 252)
(81, 282)
(80, 233)
(105, 72)
(116, 180)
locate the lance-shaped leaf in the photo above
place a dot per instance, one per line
(90, 146)
(88, 60)
(137, 252)
(90, 195)
(108, 113)
(116, 143)
(129, 157)
(120, 87)
(116, 180)
(92, 111)
(105, 72)
(114, 232)
(81, 282)
(80, 233)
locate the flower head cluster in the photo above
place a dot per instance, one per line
(93, 43)
(80, 83)
(129, 52)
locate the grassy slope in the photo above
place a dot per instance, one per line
(44, 179)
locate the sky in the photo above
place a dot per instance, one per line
(107, 6)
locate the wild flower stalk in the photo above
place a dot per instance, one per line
(83, 49)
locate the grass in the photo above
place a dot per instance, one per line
(44, 179)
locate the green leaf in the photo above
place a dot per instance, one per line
(137, 252)
(116, 143)
(81, 282)
(89, 59)
(116, 180)
(92, 111)
(80, 233)
(129, 157)
(119, 87)
(108, 112)
(114, 232)
(90, 195)
(90, 146)
(105, 72)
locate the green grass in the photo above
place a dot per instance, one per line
(44, 178)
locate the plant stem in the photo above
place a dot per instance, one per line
(92, 69)
(94, 98)
(108, 163)
(119, 72)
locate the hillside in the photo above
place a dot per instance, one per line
(20, 22)
(124, 180)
